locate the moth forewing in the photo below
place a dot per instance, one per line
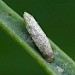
(39, 37)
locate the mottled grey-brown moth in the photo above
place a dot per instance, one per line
(39, 37)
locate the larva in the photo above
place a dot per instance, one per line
(38, 36)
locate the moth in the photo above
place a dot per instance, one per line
(39, 37)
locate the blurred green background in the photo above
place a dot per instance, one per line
(57, 19)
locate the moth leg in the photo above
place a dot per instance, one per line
(30, 40)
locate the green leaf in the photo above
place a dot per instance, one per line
(14, 25)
